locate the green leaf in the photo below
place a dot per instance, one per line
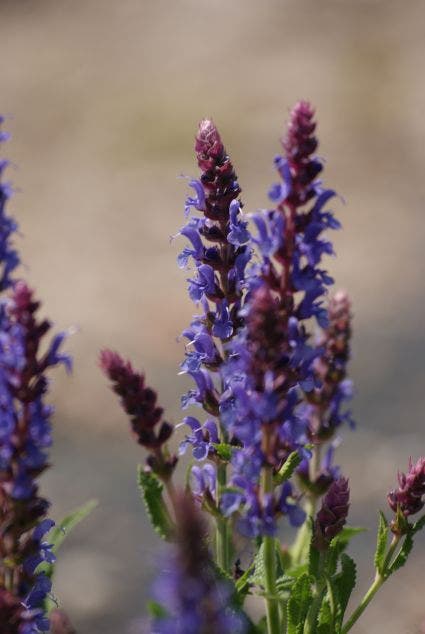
(151, 489)
(243, 584)
(60, 532)
(224, 450)
(338, 545)
(325, 618)
(257, 576)
(345, 583)
(298, 604)
(401, 557)
(347, 534)
(313, 560)
(381, 542)
(288, 468)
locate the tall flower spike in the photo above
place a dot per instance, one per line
(332, 516)
(220, 253)
(326, 402)
(140, 403)
(195, 601)
(25, 437)
(271, 364)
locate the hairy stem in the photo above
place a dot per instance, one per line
(380, 578)
(272, 606)
(222, 530)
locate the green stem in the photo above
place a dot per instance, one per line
(301, 546)
(380, 578)
(222, 530)
(272, 606)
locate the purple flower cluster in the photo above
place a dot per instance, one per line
(25, 437)
(326, 402)
(219, 251)
(332, 516)
(271, 363)
(195, 601)
(409, 498)
(140, 403)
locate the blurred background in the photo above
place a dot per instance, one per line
(103, 100)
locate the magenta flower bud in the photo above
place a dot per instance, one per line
(333, 514)
(408, 498)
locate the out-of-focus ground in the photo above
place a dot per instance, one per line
(104, 99)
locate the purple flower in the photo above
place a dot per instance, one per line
(332, 516)
(409, 498)
(201, 439)
(192, 597)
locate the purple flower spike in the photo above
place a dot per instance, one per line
(25, 438)
(409, 497)
(327, 401)
(140, 403)
(333, 514)
(220, 252)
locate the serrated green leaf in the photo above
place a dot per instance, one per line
(381, 542)
(314, 561)
(338, 545)
(288, 468)
(298, 604)
(257, 577)
(324, 619)
(224, 450)
(401, 557)
(151, 489)
(345, 583)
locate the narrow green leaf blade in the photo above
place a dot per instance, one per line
(60, 532)
(381, 542)
(286, 471)
(151, 489)
(402, 556)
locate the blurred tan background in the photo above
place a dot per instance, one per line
(104, 99)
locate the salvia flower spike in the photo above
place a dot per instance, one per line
(139, 402)
(268, 354)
